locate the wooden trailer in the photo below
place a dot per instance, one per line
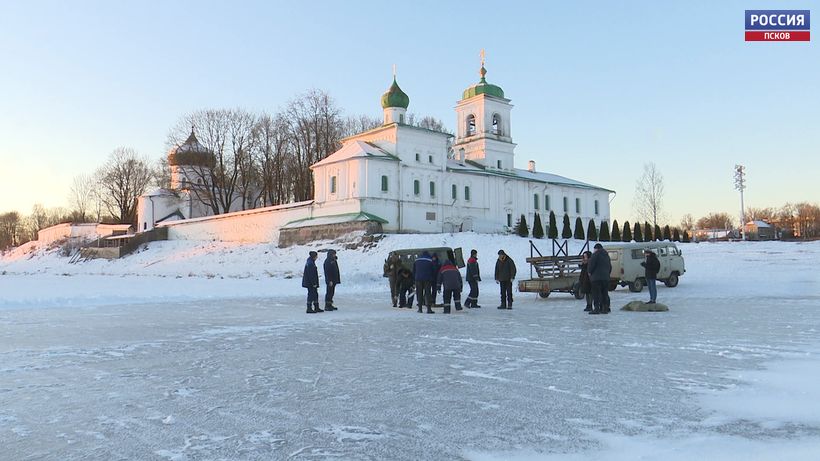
(560, 272)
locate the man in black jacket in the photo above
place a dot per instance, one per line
(331, 279)
(310, 280)
(585, 285)
(504, 275)
(599, 269)
(651, 268)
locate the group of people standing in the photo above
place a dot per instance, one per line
(595, 278)
(429, 277)
(595, 269)
(310, 280)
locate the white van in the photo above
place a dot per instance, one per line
(627, 258)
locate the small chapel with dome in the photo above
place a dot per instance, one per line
(405, 178)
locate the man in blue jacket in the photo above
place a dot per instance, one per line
(310, 280)
(332, 279)
(425, 275)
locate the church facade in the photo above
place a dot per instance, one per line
(410, 179)
(418, 180)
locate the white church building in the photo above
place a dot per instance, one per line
(411, 179)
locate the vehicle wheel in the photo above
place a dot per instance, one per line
(576, 290)
(636, 286)
(544, 294)
(672, 281)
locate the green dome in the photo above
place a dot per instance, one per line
(482, 87)
(395, 97)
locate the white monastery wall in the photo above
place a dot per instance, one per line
(259, 225)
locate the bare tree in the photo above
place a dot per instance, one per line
(807, 218)
(220, 184)
(430, 123)
(355, 125)
(161, 173)
(315, 125)
(272, 153)
(760, 214)
(721, 220)
(648, 200)
(10, 230)
(124, 177)
(81, 196)
(241, 126)
(687, 222)
(41, 218)
(38, 219)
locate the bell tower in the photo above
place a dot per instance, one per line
(483, 125)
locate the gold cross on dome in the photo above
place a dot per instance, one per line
(394, 71)
(482, 57)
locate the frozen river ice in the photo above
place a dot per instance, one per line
(258, 379)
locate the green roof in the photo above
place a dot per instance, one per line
(482, 87)
(395, 97)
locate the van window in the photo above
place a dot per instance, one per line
(673, 251)
(637, 254)
(661, 251)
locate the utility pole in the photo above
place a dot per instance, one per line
(740, 184)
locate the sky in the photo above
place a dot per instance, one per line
(599, 88)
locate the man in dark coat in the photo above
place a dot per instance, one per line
(585, 283)
(310, 280)
(504, 275)
(332, 279)
(473, 277)
(425, 275)
(407, 288)
(391, 269)
(449, 278)
(599, 269)
(651, 268)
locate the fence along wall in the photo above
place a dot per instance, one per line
(260, 225)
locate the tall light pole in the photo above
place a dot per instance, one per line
(740, 184)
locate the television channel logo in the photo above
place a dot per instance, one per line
(778, 25)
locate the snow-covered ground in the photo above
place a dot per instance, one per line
(192, 350)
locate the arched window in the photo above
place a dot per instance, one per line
(467, 193)
(455, 192)
(384, 183)
(470, 125)
(496, 124)
(416, 187)
(535, 201)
